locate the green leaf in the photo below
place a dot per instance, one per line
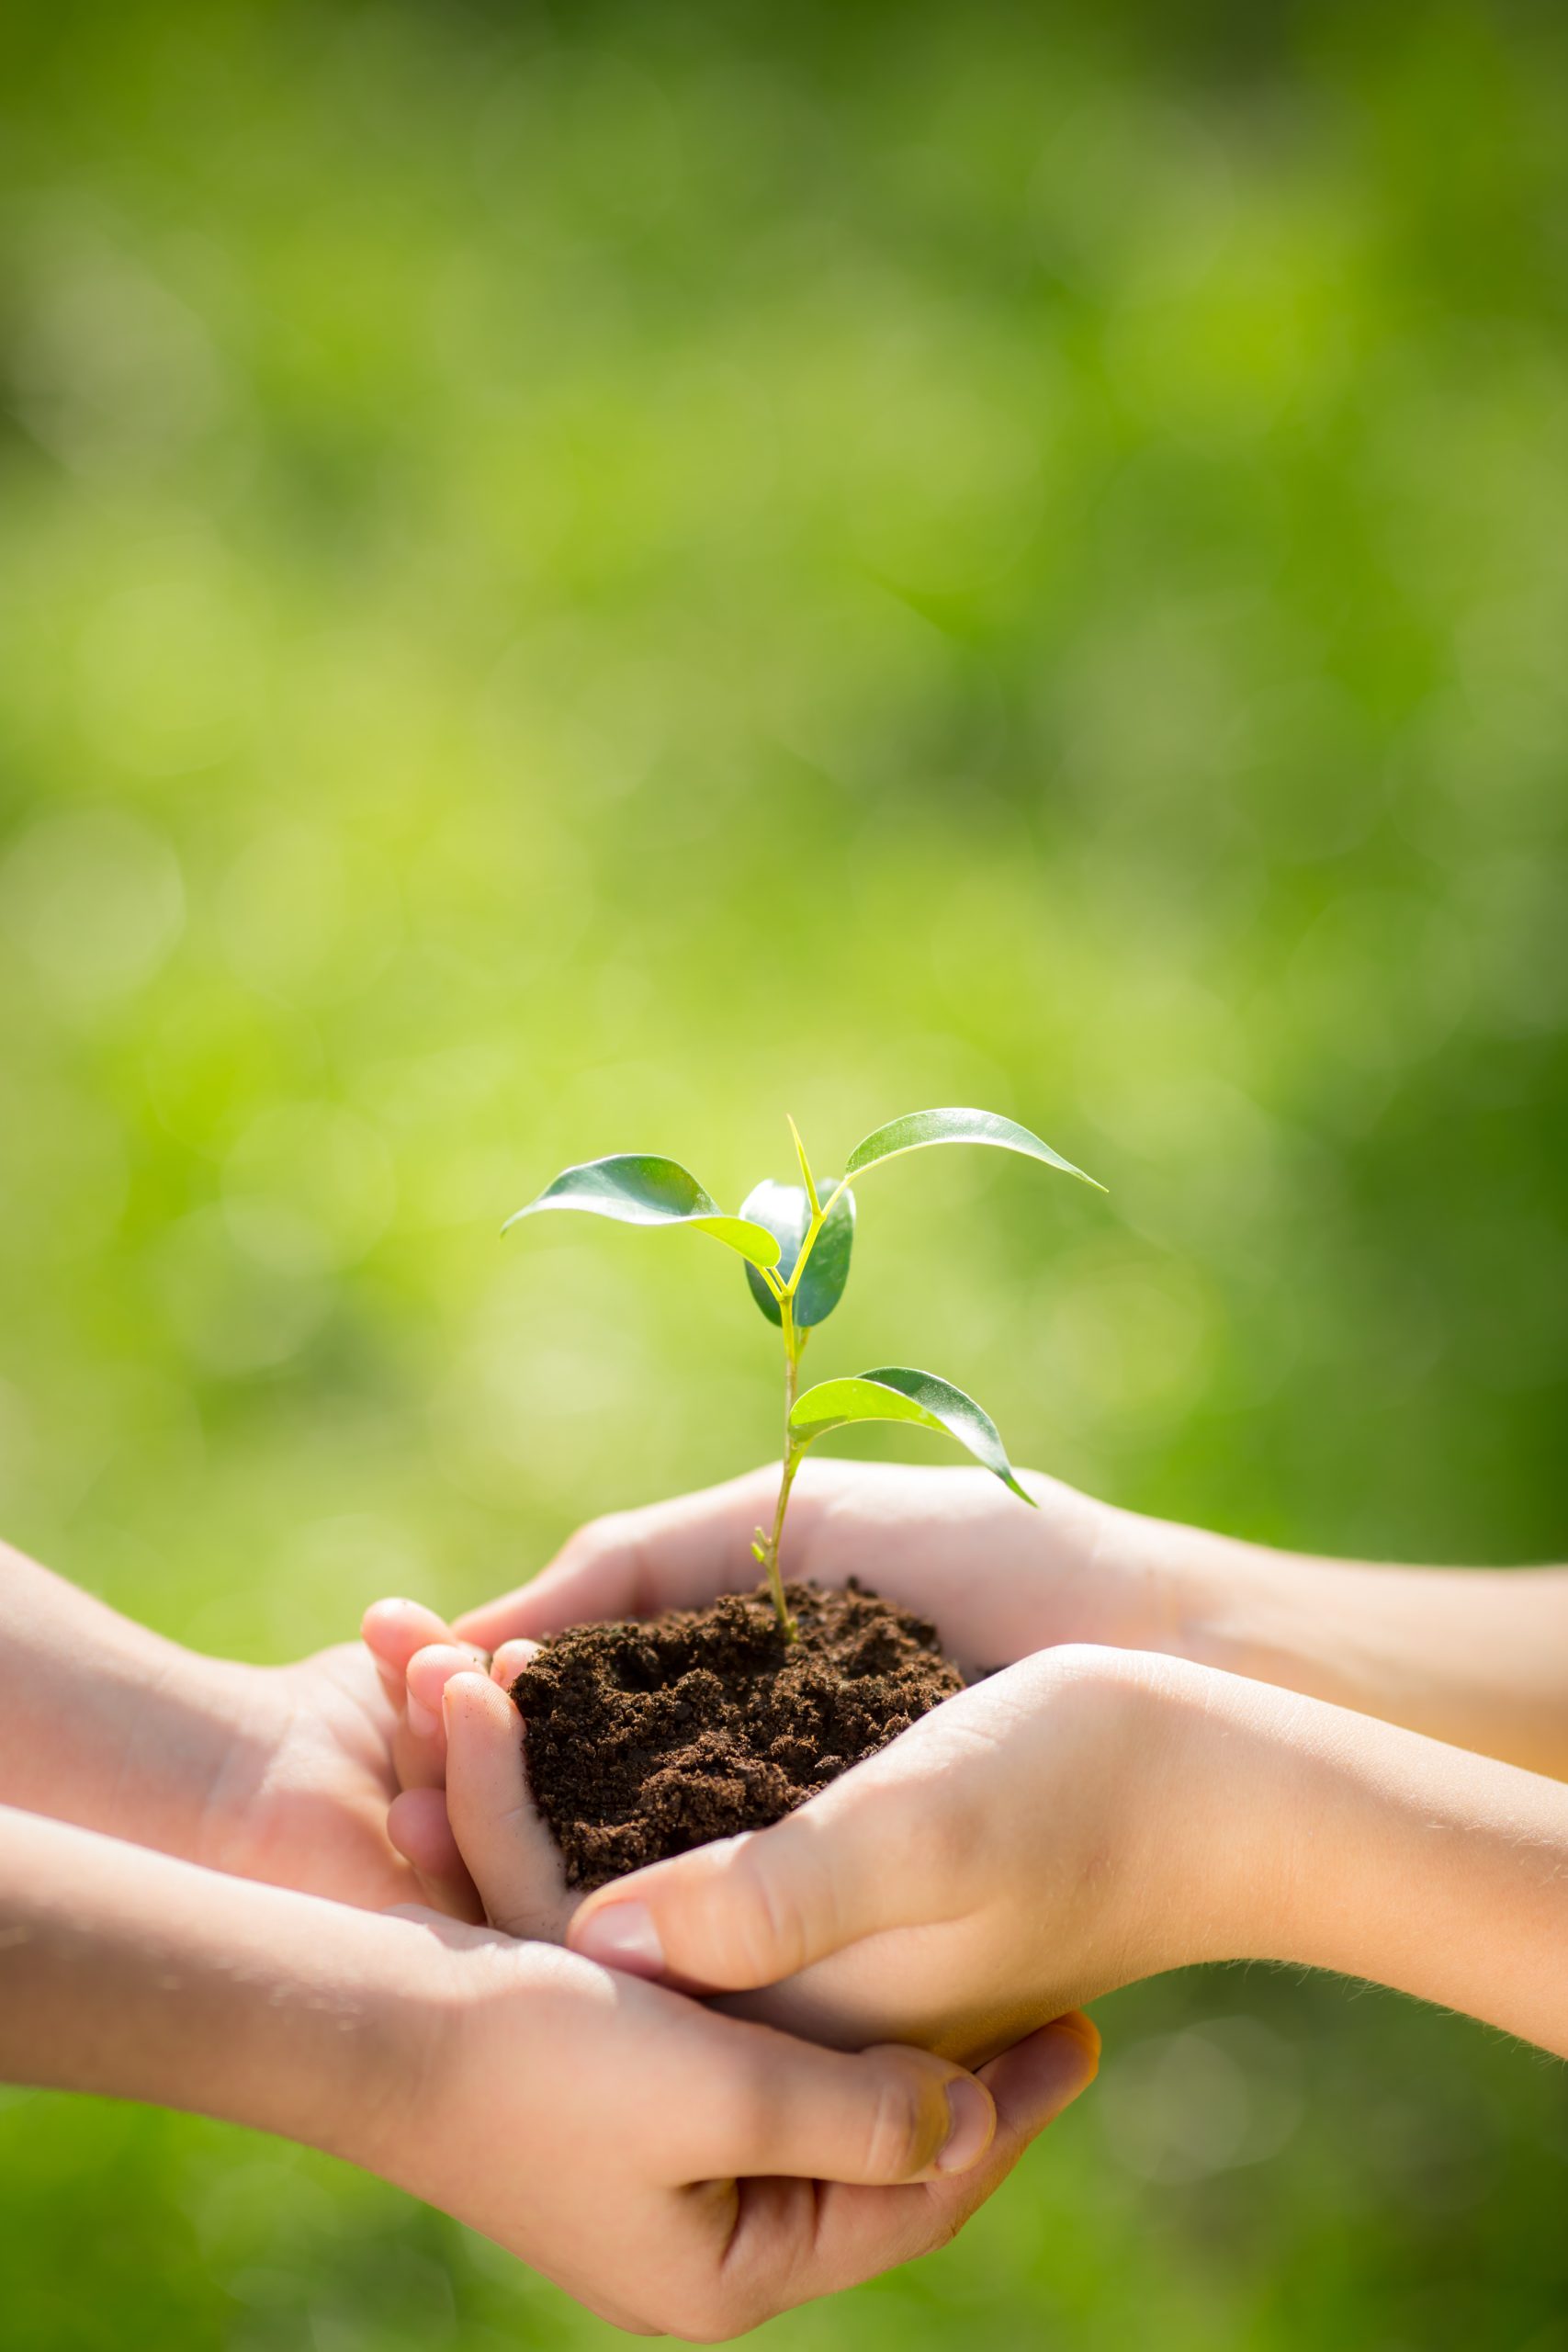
(639, 1188)
(786, 1212)
(917, 1128)
(897, 1393)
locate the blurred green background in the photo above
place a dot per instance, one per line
(575, 580)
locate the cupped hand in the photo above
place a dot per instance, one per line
(321, 1753)
(998, 1581)
(1016, 1852)
(681, 2171)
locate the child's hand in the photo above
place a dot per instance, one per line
(1091, 1817)
(415, 1654)
(997, 1580)
(1039, 1839)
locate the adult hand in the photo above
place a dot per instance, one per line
(684, 2172)
(669, 2168)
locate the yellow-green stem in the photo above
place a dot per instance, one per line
(793, 1342)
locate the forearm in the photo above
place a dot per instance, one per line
(105, 1723)
(1309, 1833)
(1475, 1657)
(134, 1975)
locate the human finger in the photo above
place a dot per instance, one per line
(508, 1852)
(417, 1826)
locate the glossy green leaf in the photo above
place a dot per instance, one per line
(917, 1128)
(639, 1188)
(898, 1393)
(786, 1212)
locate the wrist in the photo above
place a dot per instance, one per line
(110, 1725)
(1218, 1823)
(196, 1748)
(1112, 1578)
(1214, 1599)
(413, 2000)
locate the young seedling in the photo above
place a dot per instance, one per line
(797, 1246)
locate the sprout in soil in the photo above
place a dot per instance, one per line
(797, 1247)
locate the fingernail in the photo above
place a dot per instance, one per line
(973, 2120)
(422, 1719)
(1076, 2028)
(621, 1935)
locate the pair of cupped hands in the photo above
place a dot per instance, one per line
(948, 1892)
(945, 1907)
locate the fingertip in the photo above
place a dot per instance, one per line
(394, 1629)
(619, 1935)
(373, 1624)
(1041, 2076)
(511, 1658)
(972, 2126)
(466, 1688)
(480, 1720)
(429, 1671)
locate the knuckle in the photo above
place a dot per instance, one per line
(935, 1821)
(953, 1828)
(948, 2224)
(748, 2113)
(756, 1925)
(593, 1538)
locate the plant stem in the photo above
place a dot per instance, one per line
(793, 1341)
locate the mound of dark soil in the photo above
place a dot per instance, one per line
(643, 1739)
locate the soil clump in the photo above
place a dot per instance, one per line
(646, 1737)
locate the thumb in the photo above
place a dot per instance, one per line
(751, 1910)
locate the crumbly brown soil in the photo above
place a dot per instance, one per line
(643, 1739)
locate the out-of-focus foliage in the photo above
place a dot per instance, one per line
(568, 581)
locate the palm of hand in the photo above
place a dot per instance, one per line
(997, 1581)
(308, 1808)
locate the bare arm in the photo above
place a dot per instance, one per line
(1477, 1658)
(127, 1974)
